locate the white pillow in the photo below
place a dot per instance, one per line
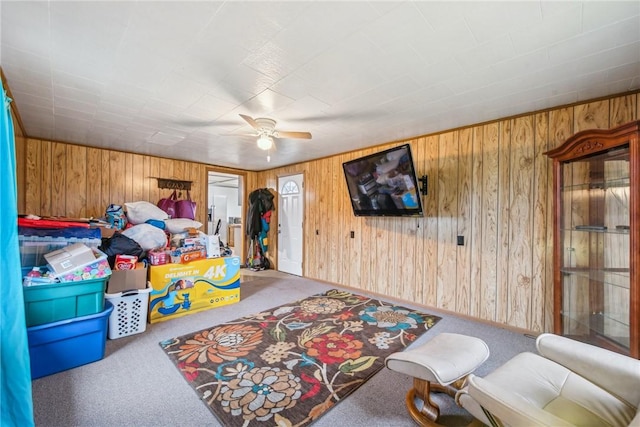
(141, 212)
(178, 225)
(147, 236)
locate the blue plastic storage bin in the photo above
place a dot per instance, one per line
(66, 344)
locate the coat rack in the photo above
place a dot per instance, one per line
(173, 184)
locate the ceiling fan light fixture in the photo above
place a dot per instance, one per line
(265, 142)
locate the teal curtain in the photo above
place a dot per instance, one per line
(16, 406)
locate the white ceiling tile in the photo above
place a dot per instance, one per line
(208, 108)
(242, 84)
(71, 116)
(437, 73)
(398, 60)
(209, 61)
(68, 120)
(43, 132)
(305, 109)
(87, 67)
(628, 71)
(28, 99)
(111, 121)
(377, 95)
(587, 44)
(41, 115)
(266, 102)
(168, 27)
(66, 104)
(557, 25)
(382, 7)
(473, 79)
(620, 86)
(77, 82)
(32, 15)
(320, 28)
(26, 66)
(138, 66)
(601, 13)
(265, 19)
(92, 98)
(272, 61)
(162, 138)
(401, 25)
(180, 91)
(626, 31)
(522, 64)
(503, 16)
(439, 45)
(486, 54)
(353, 74)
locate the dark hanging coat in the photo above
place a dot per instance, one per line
(260, 201)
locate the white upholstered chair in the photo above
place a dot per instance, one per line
(569, 383)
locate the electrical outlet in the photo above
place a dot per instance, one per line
(353, 235)
(460, 240)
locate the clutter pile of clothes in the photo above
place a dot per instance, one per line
(258, 219)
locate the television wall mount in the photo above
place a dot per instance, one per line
(423, 185)
(173, 184)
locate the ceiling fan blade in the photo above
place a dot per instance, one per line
(251, 122)
(254, 135)
(294, 135)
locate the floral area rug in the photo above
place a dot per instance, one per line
(291, 364)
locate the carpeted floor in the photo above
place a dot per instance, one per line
(137, 385)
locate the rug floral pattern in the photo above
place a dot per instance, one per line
(289, 365)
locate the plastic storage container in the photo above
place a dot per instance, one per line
(129, 314)
(34, 243)
(60, 301)
(58, 346)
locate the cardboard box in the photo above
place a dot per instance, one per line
(181, 289)
(127, 280)
(70, 258)
(212, 243)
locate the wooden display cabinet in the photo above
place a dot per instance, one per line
(596, 242)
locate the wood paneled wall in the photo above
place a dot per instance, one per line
(76, 181)
(490, 183)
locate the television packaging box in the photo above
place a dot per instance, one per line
(69, 258)
(58, 346)
(53, 302)
(181, 289)
(66, 266)
(127, 280)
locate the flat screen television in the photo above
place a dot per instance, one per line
(384, 184)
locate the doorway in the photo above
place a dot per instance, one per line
(291, 213)
(225, 197)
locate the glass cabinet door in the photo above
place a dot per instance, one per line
(594, 232)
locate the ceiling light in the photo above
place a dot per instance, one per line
(265, 142)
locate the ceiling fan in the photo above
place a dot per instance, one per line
(266, 131)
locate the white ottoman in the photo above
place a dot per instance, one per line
(440, 365)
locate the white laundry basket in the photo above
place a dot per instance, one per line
(129, 315)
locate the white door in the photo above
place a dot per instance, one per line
(290, 214)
